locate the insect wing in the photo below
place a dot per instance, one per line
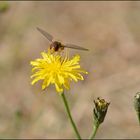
(72, 46)
(47, 35)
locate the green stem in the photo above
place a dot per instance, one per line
(69, 115)
(138, 114)
(95, 128)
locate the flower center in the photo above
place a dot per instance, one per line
(55, 67)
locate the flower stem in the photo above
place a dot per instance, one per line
(138, 114)
(95, 128)
(69, 115)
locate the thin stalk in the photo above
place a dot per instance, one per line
(94, 131)
(138, 114)
(69, 115)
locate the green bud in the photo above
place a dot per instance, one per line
(137, 104)
(100, 110)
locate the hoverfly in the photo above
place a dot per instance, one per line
(56, 46)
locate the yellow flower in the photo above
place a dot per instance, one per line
(57, 70)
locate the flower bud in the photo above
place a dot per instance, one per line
(100, 110)
(137, 104)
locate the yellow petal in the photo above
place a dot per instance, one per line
(73, 77)
(66, 84)
(58, 88)
(35, 80)
(61, 79)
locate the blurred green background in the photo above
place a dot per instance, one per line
(111, 30)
